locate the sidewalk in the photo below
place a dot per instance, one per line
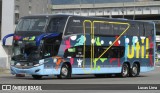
(4, 71)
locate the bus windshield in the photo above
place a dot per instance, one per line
(32, 24)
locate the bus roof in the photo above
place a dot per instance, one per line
(65, 15)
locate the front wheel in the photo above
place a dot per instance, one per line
(134, 70)
(65, 72)
(37, 76)
(125, 70)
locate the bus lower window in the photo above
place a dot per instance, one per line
(77, 52)
(113, 52)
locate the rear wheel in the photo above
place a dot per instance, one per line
(65, 72)
(134, 70)
(37, 76)
(125, 70)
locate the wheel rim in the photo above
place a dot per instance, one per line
(125, 70)
(135, 69)
(64, 71)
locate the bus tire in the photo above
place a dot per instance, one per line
(65, 72)
(134, 70)
(37, 76)
(125, 70)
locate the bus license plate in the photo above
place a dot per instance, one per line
(23, 71)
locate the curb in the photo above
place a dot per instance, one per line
(4, 71)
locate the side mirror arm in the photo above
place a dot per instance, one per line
(5, 37)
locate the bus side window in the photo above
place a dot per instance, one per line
(56, 25)
(116, 29)
(88, 27)
(123, 28)
(77, 52)
(133, 30)
(96, 28)
(75, 26)
(141, 30)
(113, 52)
(149, 29)
(105, 29)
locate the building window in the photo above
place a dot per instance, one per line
(30, 1)
(16, 18)
(139, 9)
(30, 8)
(17, 7)
(147, 8)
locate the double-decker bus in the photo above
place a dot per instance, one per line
(64, 45)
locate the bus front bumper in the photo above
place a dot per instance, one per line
(39, 70)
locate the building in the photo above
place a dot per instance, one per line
(27, 7)
(10, 12)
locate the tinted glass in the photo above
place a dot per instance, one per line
(32, 24)
(57, 25)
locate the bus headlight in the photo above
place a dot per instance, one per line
(12, 63)
(18, 64)
(41, 61)
(55, 60)
(36, 65)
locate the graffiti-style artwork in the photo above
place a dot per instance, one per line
(137, 49)
(71, 61)
(110, 42)
(134, 41)
(103, 59)
(32, 38)
(73, 38)
(126, 48)
(79, 62)
(117, 43)
(151, 45)
(98, 42)
(67, 43)
(59, 61)
(81, 40)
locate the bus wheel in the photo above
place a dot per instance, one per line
(65, 72)
(135, 70)
(37, 76)
(125, 70)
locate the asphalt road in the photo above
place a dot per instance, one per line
(152, 77)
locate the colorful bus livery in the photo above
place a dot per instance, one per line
(63, 45)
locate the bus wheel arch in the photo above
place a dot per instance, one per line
(65, 71)
(135, 69)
